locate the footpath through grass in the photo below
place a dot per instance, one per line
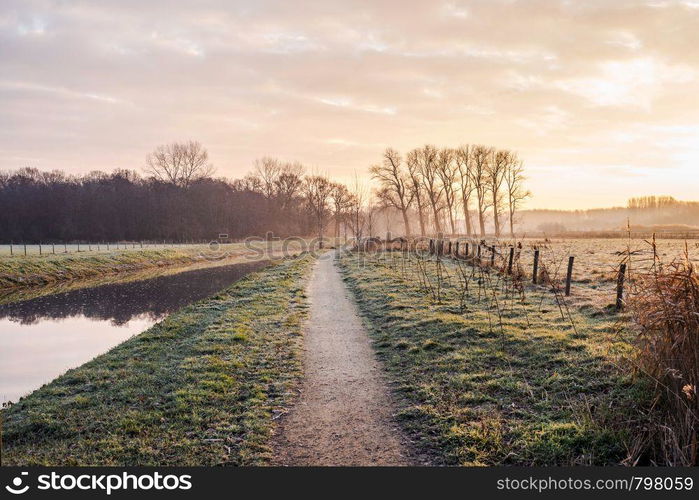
(199, 388)
(499, 380)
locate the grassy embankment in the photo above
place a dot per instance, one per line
(482, 387)
(199, 388)
(36, 270)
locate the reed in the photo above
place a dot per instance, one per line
(664, 304)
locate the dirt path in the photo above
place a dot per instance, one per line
(344, 414)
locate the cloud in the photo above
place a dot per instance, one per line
(570, 85)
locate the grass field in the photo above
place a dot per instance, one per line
(498, 377)
(36, 270)
(200, 388)
(596, 263)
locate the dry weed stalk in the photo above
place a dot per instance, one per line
(664, 304)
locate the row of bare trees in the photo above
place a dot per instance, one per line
(433, 184)
(286, 186)
(180, 199)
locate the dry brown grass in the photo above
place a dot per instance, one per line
(665, 306)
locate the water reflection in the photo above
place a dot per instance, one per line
(41, 338)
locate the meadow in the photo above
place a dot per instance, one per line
(202, 387)
(35, 269)
(492, 369)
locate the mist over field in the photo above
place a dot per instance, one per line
(351, 233)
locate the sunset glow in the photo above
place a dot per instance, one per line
(598, 98)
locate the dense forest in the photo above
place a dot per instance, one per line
(52, 206)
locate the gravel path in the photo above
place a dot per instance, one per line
(344, 413)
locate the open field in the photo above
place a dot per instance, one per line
(33, 270)
(490, 374)
(200, 388)
(485, 368)
(596, 263)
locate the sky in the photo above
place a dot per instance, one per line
(599, 98)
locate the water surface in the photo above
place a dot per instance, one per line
(42, 337)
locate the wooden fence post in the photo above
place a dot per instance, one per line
(53, 248)
(620, 287)
(449, 248)
(40, 253)
(492, 256)
(509, 262)
(431, 246)
(535, 272)
(25, 249)
(569, 274)
(11, 251)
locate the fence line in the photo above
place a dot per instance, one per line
(52, 248)
(459, 249)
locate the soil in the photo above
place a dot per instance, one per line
(344, 415)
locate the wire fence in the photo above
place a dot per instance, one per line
(29, 249)
(597, 266)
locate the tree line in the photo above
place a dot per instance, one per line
(177, 198)
(437, 185)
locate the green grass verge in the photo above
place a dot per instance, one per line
(199, 388)
(19, 271)
(477, 390)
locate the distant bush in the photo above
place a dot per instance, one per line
(551, 228)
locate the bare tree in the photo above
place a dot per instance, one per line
(341, 202)
(268, 170)
(357, 219)
(318, 191)
(427, 157)
(372, 213)
(250, 182)
(481, 156)
(288, 184)
(495, 170)
(516, 194)
(463, 165)
(179, 163)
(395, 185)
(446, 171)
(415, 186)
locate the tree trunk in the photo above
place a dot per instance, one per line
(421, 217)
(451, 222)
(496, 221)
(437, 225)
(481, 219)
(467, 218)
(406, 222)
